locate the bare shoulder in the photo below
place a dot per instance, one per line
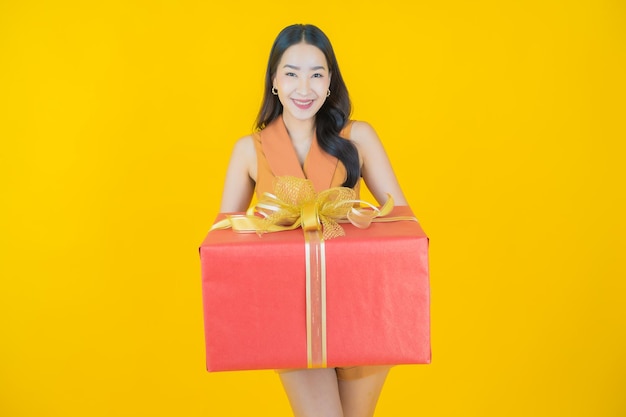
(362, 133)
(376, 168)
(244, 146)
(240, 176)
(243, 157)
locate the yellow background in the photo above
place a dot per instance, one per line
(504, 121)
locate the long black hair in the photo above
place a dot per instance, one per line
(334, 113)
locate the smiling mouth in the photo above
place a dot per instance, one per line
(303, 104)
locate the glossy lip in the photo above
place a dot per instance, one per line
(303, 104)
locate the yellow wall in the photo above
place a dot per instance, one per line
(504, 120)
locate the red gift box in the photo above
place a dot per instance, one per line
(376, 310)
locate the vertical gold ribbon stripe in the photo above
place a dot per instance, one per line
(323, 303)
(315, 299)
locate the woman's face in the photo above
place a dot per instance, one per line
(302, 79)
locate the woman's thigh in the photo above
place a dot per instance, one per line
(360, 392)
(312, 392)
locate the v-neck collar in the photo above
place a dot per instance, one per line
(319, 166)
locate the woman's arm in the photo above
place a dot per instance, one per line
(376, 168)
(239, 182)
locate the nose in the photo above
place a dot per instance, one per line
(303, 86)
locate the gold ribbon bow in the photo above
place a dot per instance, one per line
(294, 204)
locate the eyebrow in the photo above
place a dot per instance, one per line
(319, 67)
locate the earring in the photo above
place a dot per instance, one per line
(328, 93)
(275, 91)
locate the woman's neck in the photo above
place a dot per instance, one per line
(299, 130)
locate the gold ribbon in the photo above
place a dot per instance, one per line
(294, 204)
(315, 258)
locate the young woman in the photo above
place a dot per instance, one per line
(304, 130)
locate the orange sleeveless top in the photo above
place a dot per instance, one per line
(276, 157)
